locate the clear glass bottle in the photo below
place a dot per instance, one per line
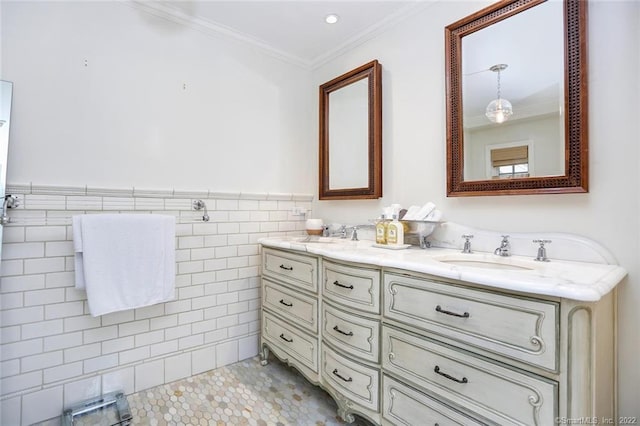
(395, 232)
(381, 230)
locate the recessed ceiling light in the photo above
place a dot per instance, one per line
(331, 18)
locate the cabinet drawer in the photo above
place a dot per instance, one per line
(352, 286)
(355, 335)
(524, 329)
(297, 308)
(403, 405)
(297, 344)
(294, 269)
(502, 395)
(356, 382)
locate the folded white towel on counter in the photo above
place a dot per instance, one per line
(124, 261)
(425, 211)
(411, 213)
(434, 216)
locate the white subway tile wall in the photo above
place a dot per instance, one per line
(53, 353)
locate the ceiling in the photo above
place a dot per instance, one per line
(294, 30)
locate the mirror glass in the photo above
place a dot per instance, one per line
(532, 81)
(516, 99)
(351, 135)
(348, 133)
(6, 92)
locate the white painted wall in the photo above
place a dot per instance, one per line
(109, 96)
(247, 122)
(412, 57)
(546, 157)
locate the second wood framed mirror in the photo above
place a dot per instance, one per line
(532, 53)
(351, 135)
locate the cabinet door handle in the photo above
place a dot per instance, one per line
(335, 373)
(286, 268)
(285, 303)
(336, 283)
(437, 371)
(342, 332)
(285, 339)
(442, 311)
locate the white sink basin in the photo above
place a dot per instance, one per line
(485, 261)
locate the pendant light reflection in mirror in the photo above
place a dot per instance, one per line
(499, 110)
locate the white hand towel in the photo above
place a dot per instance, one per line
(434, 216)
(425, 211)
(411, 213)
(127, 260)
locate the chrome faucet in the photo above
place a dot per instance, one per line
(505, 247)
(467, 243)
(342, 232)
(542, 251)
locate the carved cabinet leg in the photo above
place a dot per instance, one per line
(264, 355)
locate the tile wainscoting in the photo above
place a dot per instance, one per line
(54, 353)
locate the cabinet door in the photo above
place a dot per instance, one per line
(350, 333)
(403, 405)
(295, 307)
(355, 381)
(503, 395)
(352, 286)
(294, 342)
(520, 328)
(293, 269)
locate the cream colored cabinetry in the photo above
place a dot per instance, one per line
(405, 348)
(290, 304)
(499, 358)
(350, 332)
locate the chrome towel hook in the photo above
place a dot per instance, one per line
(200, 205)
(10, 202)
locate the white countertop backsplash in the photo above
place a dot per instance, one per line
(579, 269)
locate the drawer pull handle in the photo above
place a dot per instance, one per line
(335, 373)
(285, 303)
(285, 339)
(342, 332)
(442, 311)
(286, 268)
(437, 371)
(336, 283)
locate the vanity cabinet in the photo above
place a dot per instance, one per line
(400, 347)
(351, 337)
(522, 328)
(290, 306)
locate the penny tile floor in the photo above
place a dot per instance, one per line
(244, 393)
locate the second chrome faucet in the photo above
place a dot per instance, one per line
(505, 247)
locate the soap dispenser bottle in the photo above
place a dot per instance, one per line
(381, 230)
(395, 232)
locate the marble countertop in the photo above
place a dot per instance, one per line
(581, 281)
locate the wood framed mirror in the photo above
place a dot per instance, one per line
(351, 135)
(532, 53)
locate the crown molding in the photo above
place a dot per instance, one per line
(218, 30)
(213, 29)
(372, 32)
